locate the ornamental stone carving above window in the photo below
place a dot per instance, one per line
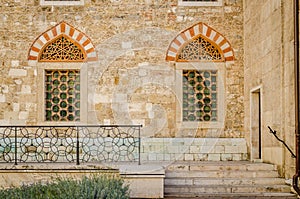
(62, 49)
(199, 50)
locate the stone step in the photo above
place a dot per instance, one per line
(217, 189)
(233, 196)
(221, 166)
(221, 174)
(223, 181)
(231, 179)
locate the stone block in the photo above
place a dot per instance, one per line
(142, 72)
(144, 181)
(152, 157)
(206, 149)
(4, 89)
(10, 115)
(151, 114)
(17, 72)
(126, 45)
(15, 63)
(179, 156)
(215, 142)
(160, 157)
(16, 107)
(2, 98)
(201, 157)
(26, 89)
(232, 149)
(194, 149)
(167, 157)
(188, 157)
(120, 98)
(214, 157)
(100, 98)
(219, 149)
(242, 149)
(237, 157)
(226, 157)
(238, 141)
(144, 157)
(173, 149)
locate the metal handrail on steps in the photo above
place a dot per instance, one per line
(283, 142)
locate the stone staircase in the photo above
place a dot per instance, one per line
(225, 179)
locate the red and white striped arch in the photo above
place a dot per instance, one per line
(207, 32)
(63, 29)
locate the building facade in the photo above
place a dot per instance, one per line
(194, 73)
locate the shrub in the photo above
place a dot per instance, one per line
(95, 187)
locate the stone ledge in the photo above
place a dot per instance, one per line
(145, 181)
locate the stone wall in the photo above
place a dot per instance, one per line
(193, 149)
(131, 82)
(269, 70)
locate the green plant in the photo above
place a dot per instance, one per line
(95, 187)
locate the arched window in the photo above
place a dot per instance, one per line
(200, 53)
(61, 54)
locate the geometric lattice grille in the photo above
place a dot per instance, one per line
(62, 49)
(62, 96)
(199, 50)
(199, 95)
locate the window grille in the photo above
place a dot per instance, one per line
(199, 95)
(62, 95)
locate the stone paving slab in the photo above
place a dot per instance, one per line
(237, 196)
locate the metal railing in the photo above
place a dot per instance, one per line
(77, 143)
(283, 142)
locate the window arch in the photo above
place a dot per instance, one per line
(207, 35)
(62, 53)
(67, 31)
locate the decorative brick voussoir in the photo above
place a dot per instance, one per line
(63, 29)
(186, 36)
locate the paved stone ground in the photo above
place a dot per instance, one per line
(236, 197)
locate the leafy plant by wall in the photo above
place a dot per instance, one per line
(95, 187)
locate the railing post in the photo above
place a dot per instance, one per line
(77, 146)
(16, 155)
(139, 145)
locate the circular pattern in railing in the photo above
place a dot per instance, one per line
(69, 144)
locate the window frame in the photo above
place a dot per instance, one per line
(61, 3)
(220, 67)
(194, 3)
(41, 68)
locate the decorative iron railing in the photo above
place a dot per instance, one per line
(283, 142)
(78, 143)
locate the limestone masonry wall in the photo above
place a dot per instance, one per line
(131, 82)
(269, 69)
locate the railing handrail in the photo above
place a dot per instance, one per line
(68, 125)
(282, 141)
